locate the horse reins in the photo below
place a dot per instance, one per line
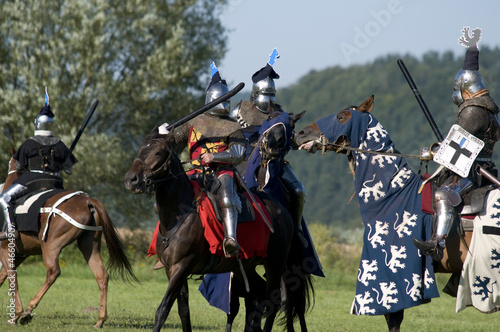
(339, 147)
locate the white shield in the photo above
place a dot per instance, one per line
(458, 151)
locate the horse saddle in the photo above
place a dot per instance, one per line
(27, 210)
(472, 202)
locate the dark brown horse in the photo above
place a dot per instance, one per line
(83, 210)
(339, 139)
(181, 244)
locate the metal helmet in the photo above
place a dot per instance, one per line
(263, 94)
(215, 91)
(467, 82)
(217, 88)
(264, 90)
(44, 122)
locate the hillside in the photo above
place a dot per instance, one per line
(326, 177)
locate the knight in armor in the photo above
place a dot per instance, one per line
(250, 114)
(41, 159)
(216, 143)
(477, 114)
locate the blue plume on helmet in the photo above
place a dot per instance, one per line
(273, 56)
(216, 78)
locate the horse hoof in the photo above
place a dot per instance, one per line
(99, 324)
(25, 318)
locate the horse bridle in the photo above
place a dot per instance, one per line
(152, 177)
(262, 144)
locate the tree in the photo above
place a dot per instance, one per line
(145, 61)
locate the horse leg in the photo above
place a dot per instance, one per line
(51, 260)
(175, 284)
(234, 304)
(394, 320)
(183, 307)
(90, 246)
(9, 272)
(3, 274)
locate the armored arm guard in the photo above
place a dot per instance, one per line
(236, 152)
(234, 155)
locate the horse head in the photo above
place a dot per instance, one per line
(153, 164)
(337, 130)
(276, 134)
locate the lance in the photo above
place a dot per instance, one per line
(206, 107)
(250, 194)
(430, 119)
(420, 100)
(84, 125)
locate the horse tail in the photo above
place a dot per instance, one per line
(118, 260)
(298, 285)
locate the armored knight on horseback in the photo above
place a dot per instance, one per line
(477, 114)
(42, 157)
(216, 143)
(250, 114)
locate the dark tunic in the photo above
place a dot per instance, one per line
(43, 158)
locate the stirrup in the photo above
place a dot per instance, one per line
(430, 248)
(230, 246)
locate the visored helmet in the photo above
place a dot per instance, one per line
(263, 94)
(44, 122)
(216, 89)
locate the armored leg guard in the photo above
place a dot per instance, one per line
(6, 199)
(445, 200)
(230, 215)
(297, 199)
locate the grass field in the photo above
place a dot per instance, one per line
(71, 305)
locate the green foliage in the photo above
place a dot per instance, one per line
(329, 185)
(145, 61)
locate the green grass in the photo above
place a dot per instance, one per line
(71, 305)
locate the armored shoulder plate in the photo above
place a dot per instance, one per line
(250, 115)
(211, 125)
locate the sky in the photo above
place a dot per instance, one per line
(317, 34)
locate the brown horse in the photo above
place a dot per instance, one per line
(181, 244)
(84, 210)
(340, 137)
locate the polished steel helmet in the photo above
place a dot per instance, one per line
(44, 125)
(467, 82)
(215, 91)
(263, 94)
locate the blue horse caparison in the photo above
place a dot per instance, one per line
(392, 274)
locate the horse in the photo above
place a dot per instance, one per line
(357, 133)
(181, 245)
(83, 211)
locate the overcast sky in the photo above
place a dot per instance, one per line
(314, 35)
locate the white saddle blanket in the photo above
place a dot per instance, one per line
(480, 279)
